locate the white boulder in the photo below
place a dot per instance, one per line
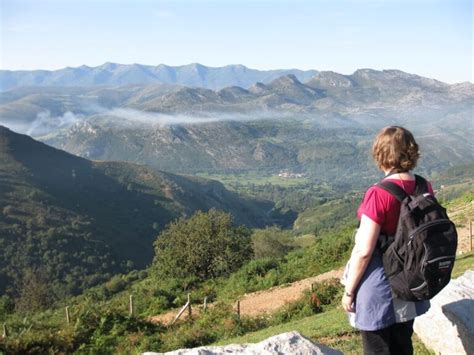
(448, 327)
(285, 344)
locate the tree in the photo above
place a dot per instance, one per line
(207, 245)
(35, 292)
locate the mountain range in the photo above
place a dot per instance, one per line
(196, 75)
(322, 126)
(81, 221)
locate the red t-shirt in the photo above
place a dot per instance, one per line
(383, 208)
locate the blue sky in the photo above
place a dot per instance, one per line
(432, 38)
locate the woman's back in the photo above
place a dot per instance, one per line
(382, 207)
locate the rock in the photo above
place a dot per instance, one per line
(448, 327)
(287, 343)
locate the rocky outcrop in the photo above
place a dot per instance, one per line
(287, 343)
(448, 327)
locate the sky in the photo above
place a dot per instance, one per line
(432, 38)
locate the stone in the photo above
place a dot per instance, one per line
(448, 327)
(287, 343)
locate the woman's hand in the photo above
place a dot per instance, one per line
(348, 303)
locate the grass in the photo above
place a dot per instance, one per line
(330, 324)
(330, 328)
(463, 262)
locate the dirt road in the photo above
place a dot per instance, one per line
(266, 301)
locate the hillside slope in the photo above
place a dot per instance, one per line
(80, 221)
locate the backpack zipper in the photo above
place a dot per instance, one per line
(426, 263)
(427, 225)
(418, 287)
(439, 258)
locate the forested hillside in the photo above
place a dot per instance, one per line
(74, 223)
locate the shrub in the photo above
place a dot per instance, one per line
(271, 242)
(295, 310)
(35, 292)
(6, 306)
(329, 291)
(205, 246)
(255, 275)
(116, 284)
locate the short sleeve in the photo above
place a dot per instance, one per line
(373, 206)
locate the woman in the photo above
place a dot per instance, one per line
(385, 322)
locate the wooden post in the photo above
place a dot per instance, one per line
(312, 287)
(204, 308)
(238, 309)
(470, 233)
(130, 306)
(68, 319)
(189, 306)
(5, 333)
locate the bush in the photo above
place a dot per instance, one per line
(116, 284)
(205, 246)
(255, 275)
(6, 306)
(271, 242)
(329, 291)
(35, 292)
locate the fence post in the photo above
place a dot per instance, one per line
(204, 308)
(189, 306)
(5, 333)
(470, 233)
(68, 319)
(238, 309)
(130, 306)
(181, 311)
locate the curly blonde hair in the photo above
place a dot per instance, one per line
(395, 149)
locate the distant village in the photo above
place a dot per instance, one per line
(290, 175)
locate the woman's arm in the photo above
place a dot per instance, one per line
(366, 239)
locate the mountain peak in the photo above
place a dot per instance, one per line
(196, 66)
(259, 88)
(329, 79)
(109, 66)
(289, 79)
(237, 67)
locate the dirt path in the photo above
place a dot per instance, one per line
(266, 301)
(462, 217)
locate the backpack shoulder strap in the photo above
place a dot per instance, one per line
(421, 185)
(392, 188)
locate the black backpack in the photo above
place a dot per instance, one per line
(419, 259)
